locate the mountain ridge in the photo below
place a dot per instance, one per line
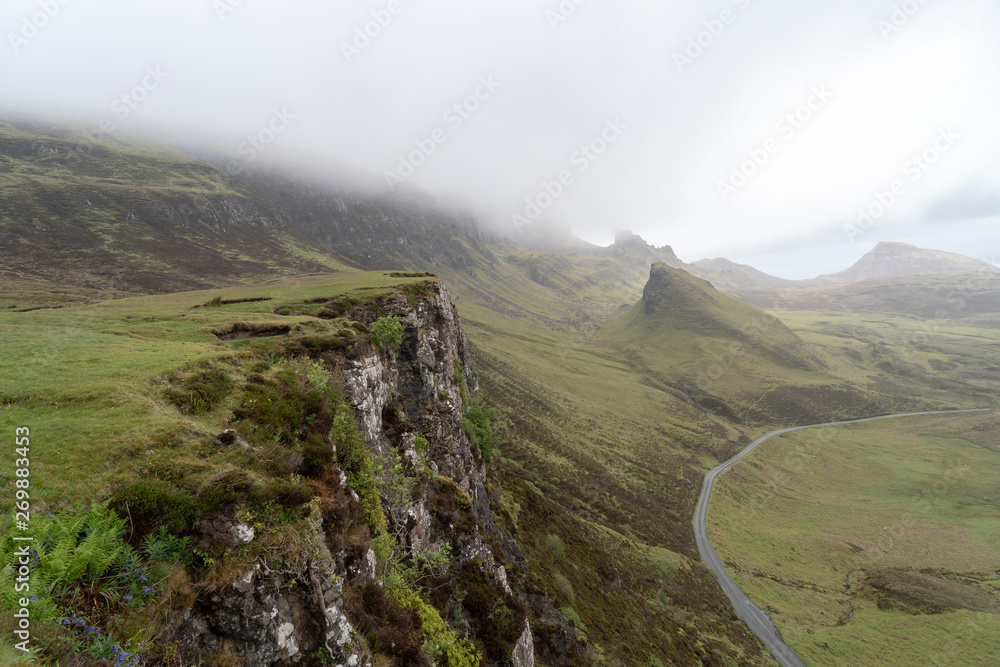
(891, 259)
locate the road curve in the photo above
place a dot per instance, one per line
(759, 621)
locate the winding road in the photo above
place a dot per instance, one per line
(759, 621)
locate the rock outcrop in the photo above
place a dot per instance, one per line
(408, 404)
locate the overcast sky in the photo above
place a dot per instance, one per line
(751, 129)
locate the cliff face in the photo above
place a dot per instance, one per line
(422, 385)
(419, 393)
(408, 405)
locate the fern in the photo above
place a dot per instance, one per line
(73, 545)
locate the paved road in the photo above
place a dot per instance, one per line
(760, 623)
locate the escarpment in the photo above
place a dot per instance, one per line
(391, 551)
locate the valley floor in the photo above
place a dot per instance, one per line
(874, 544)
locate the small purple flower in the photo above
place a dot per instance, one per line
(49, 516)
(147, 589)
(33, 598)
(143, 579)
(127, 597)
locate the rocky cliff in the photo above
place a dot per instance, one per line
(438, 588)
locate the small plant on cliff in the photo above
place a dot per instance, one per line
(477, 422)
(357, 464)
(387, 333)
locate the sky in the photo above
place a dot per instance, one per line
(788, 135)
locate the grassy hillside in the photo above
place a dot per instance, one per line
(130, 217)
(949, 361)
(600, 465)
(735, 360)
(609, 426)
(191, 413)
(92, 382)
(876, 544)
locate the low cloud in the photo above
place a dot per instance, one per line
(704, 89)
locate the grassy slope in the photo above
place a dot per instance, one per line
(951, 361)
(824, 525)
(739, 361)
(591, 445)
(941, 296)
(602, 426)
(886, 497)
(129, 218)
(596, 454)
(86, 379)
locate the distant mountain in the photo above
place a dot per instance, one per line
(890, 259)
(728, 275)
(87, 221)
(940, 296)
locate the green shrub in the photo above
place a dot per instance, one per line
(574, 617)
(316, 455)
(151, 503)
(314, 371)
(387, 333)
(226, 489)
(354, 459)
(202, 392)
(439, 640)
(477, 422)
(281, 407)
(166, 547)
(555, 545)
(563, 588)
(80, 564)
(422, 447)
(498, 617)
(286, 493)
(391, 628)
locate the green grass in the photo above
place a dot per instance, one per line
(824, 522)
(944, 360)
(91, 381)
(599, 423)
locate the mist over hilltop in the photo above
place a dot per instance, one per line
(751, 131)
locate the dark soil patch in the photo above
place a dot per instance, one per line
(930, 593)
(229, 302)
(244, 330)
